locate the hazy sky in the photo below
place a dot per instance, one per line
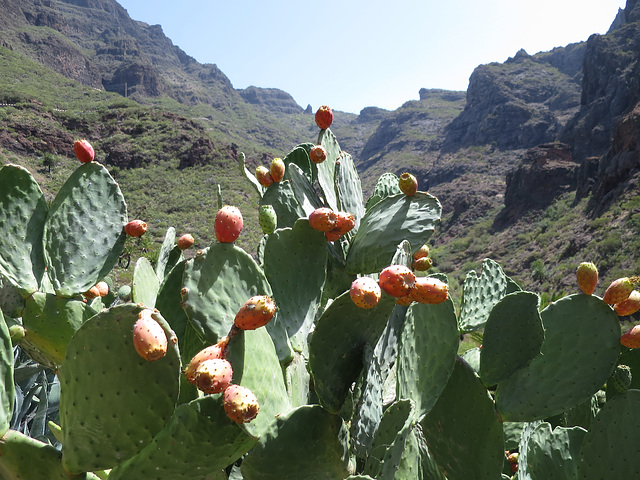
(350, 54)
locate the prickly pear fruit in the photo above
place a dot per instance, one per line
(213, 375)
(255, 313)
(587, 276)
(619, 290)
(429, 290)
(422, 264)
(422, 252)
(397, 280)
(318, 154)
(631, 339)
(17, 333)
(135, 228)
(264, 176)
(100, 289)
(629, 306)
(124, 293)
(620, 379)
(324, 117)
(228, 224)
(365, 292)
(240, 404)
(345, 222)
(404, 301)
(277, 169)
(512, 458)
(323, 219)
(185, 241)
(208, 353)
(84, 151)
(333, 235)
(149, 338)
(408, 184)
(268, 219)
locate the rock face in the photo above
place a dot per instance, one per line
(271, 99)
(520, 103)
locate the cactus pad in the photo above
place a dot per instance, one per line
(282, 198)
(6, 376)
(308, 443)
(387, 185)
(83, 233)
(108, 388)
(349, 188)
(165, 252)
(578, 354)
(23, 210)
(145, 285)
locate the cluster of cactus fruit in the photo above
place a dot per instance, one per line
(321, 356)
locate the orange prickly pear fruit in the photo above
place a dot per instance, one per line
(587, 276)
(213, 375)
(149, 338)
(185, 241)
(631, 339)
(255, 313)
(397, 280)
(323, 219)
(240, 404)
(422, 252)
(277, 169)
(422, 264)
(629, 306)
(264, 176)
(100, 289)
(619, 290)
(318, 154)
(365, 292)
(408, 184)
(208, 353)
(324, 117)
(429, 290)
(84, 151)
(135, 228)
(228, 224)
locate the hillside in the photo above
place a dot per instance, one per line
(536, 163)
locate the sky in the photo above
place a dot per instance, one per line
(351, 54)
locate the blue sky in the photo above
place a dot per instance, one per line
(350, 54)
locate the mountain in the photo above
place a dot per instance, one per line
(535, 164)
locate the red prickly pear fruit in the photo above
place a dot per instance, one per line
(255, 313)
(408, 184)
(422, 252)
(149, 338)
(365, 292)
(264, 176)
(208, 353)
(397, 280)
(619, 290)
(135, 228)
(629, 306)
(84, 151)
(512, 458)
(324, 117)
(345, 222)
(429, 290)
(185, 241)
(587, 276)
(631, 339)
(323, 219)
(404, 301)
(333, 235)
(240, 404)
(277, 169)
(318, 154)
(422, 264)
(228, 224)
(213, 375)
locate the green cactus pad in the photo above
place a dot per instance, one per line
(463, 431)
(256, 366)
(282, 198)
(427, 353)
(578, 354)
(472, 357)
(327, 169)
(386, 186)
(165, 251)
(389, 443)
(11, 302)
(251, 178)
(49, 323)
(113, 401)
(295, 261)
(479, 294)
(631, 358)
(308, 443)
(299, 157)
(217, 282)
(169, 301)
(297, 379)
(552, 454)
(303, 190)
(386, 224)
(198, 439)
(6, 375)
(23, 210)
(83, 233)
(145, 285)
(25, 458)
(349, 188)
(610, 448)
(512, 336)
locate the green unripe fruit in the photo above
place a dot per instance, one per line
(620, 380)
(124, 293)
(268, 219)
